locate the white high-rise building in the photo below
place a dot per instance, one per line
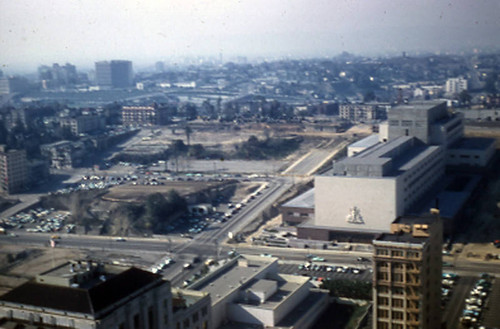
(455, 85)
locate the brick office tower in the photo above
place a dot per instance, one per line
(407, 274)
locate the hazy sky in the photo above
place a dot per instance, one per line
(83, 31)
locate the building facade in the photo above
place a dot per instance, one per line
(389, 174)
(299, 209)
(15, 84)
(249, 291)
(377, 185)
(143, 115)
(407, 265)
(455, 85)
(84, 124)
(89, 295)
(191, 309)
(363, 112)
(13, 170)
(114, 74)
(64, 154)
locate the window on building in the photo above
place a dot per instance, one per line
(383, 265)
(396, 315)
(204, 311)
(382, 252)
(413, 254)
(383, 289)
(406, 123)
(195, 317)
(186, 323)
(397, 290)
(205, 325)
(397, 253)
(382, 325)
(384, 301)
(397, 302)
(383, 313)
(411, 267)
(397, 277)
(383, 276)
(137, 322)
(151, 318)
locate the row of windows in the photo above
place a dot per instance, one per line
(385, 325)
(398, 278)
(464, 156)
(194, 320)
(396, 253)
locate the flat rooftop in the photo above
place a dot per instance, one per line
(233, 277)
(367, 141)
(404, 152)
(190, 297)
(305, 200)
(413, 157)
(287, 284)
(418, 106)
(415, 220)
(401, 237)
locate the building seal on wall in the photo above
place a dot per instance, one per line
(354, 216)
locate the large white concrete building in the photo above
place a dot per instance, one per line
(250, 291)
(379, 183)
(385, 175)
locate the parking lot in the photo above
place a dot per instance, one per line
(39, 220)
(322, 271)
(471, 302)
(491, 317)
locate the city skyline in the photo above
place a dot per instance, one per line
(32, 34)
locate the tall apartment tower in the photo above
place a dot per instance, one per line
(114, 74)
(455, 85)
(407, 274)
(13, 170)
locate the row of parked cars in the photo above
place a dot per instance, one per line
(475, 302)
(39, 220)
(448, 281)
(308, 266)
(160, 266)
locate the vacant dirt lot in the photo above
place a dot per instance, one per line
(139, 193)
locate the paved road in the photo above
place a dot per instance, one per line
(313, 161)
